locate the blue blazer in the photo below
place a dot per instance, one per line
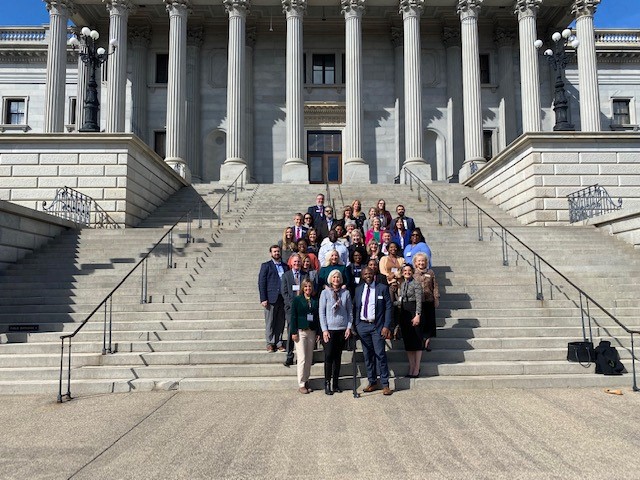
(269, 281)
(384, 307)
(395, 237)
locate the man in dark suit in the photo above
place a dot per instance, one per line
(326, 224)
(289, 289)
(271, 299)
(373, 311)
(299, 230)
(409, 224)
(317, 210)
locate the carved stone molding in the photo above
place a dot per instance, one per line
(61, 7)
(294, 7)
(397, 37)
(178, 7)
(236, 7)
(583, 8)
(352, 7)
(195, 36)
(451, 37)
(139, 36)
(411, 8)
(120, 6)
(527, 8)
(504, 37)
(468, 8)
(252, 35)
(325, 114)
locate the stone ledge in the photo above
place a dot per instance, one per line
(20, 211)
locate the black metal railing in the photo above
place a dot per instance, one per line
(79, 208)
(107, 303)
(590, 202)
(410, 178)
(585, 300)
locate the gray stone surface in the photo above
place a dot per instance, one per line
(514, 434)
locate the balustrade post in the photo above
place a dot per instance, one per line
(220, 212)
(480, 237)
(505, 249)
(62, 368)
(228, 201)
(69, 373)
(439, 213)
(633, 366)
(110, 322)
(104, 331)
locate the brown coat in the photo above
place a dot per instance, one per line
(429, 284)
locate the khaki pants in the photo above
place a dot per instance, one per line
(304, 352)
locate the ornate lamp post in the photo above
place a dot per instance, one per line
(94, 57)
(558, 60)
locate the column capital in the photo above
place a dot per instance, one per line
(397, 36)
(451, 37)
(352, 8)
(294, 7)
(468, 8)
(527, 8)
(504, 37)
(139, 36)
(252, 33)
(411, 8)
(582, 8)
(178, 7)
(120, 7)
(236, 8)
(61, 7)
(195, 36)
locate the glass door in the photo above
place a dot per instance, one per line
(324, 156)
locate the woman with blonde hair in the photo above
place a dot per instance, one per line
(331, 264)
(430, 296)
(357, 213)
(336, 320)
(303, 327)
(288, 244)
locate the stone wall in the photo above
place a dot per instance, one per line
(127, 179)
(23, 230)
(533, 176)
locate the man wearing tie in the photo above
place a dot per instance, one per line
(299, 230)
(291, 281)
(373, 310)
(326, 224)
(317, 210)
(271, 299)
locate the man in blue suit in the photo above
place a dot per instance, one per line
(271, 299)
(373, 310)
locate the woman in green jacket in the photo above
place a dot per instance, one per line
(304, 326)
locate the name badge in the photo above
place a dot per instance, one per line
(309, 317)
(380, 297)
(296, 288)
(400, 298)
(357, 280)
(394, 270)
(408, 254)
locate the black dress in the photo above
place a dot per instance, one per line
(413, 337)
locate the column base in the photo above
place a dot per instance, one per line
(356, 172)
(180, 167)
(469, 167)
(295, 170)
(231, 168)
(418, 167)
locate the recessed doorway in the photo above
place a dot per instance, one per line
(324, 156)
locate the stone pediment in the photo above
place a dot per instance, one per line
(325, 114)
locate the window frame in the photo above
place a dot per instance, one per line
(339, 70)
(156, 134)
(6, 123)
(156, 70)
(630, 111)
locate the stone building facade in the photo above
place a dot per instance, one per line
(297, 91)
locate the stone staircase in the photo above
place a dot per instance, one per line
(203, 327)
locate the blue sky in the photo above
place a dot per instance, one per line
(610, 14)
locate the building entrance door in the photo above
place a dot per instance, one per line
(324, 156)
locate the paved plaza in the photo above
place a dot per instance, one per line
(559, 433)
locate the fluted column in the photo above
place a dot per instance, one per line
(249, 97)
(355, 170)
(176, 91)
(527, 11)
(139, 39)
(587, 65)
(411, 11)
(504, 39)
(59, 13)
(294, 169)
(194, 42)
(468, 11)
(397, 39)
(117, 65)
(235, 162)
(455, 145)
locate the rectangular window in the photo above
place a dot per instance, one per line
(324, 69)
(15, 111)
(487, 144)
(485, 69)
(344, 68)
(621, 112)
(160, 143)
(73, 103)
(162, 68)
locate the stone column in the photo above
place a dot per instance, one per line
(587, 65)
(194, 43)
(248, 96)
(504, 39)
(176, 91)
(59, 13)
(117, 64)
(455, 144)
(468, 11)
(527, 11)
(294, 169)
(235, 162)
(411, 11)
(355, 169)
(83, 78)
(139, 39)
(397, 38)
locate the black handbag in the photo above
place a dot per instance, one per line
(608, 360)
(581, 352)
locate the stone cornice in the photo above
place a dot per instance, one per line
(583, 8)
(325, 114)
(527, 8)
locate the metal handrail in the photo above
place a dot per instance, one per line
(590, 202)
(430, 195)
(107, 302)
(537, 260)
(75, 206)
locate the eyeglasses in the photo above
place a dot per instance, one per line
(328, 211)
(415, 234)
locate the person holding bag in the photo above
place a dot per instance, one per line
(303, 326)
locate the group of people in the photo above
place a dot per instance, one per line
(331, 279)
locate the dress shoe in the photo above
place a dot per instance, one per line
(336, 388)
(371, 388)
(327, 388)
(303, 390)
(306, 385)
(270, 348)
(288, 362)
(281, 348)
(387, 391)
